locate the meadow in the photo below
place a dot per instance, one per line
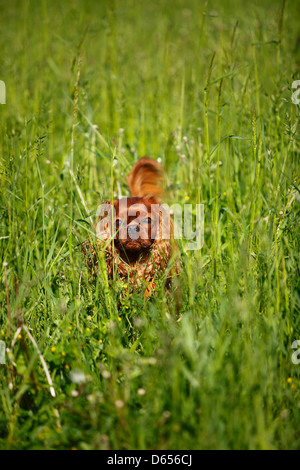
(206, 87)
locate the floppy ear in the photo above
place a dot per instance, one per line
(105, 215)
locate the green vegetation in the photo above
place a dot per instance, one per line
(206, 87)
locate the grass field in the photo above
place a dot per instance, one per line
(91, 86)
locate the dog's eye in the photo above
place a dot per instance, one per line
(147, 221)
(119, 223)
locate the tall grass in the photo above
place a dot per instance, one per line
(205, 87)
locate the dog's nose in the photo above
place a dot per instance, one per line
(133, 231)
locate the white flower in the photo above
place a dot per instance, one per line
(106, 374)
(119, 404)
(77, 376)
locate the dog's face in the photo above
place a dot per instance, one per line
(133, 223)
(136, 224)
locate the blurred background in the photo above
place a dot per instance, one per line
(205, 87)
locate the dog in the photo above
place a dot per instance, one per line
(135, 233)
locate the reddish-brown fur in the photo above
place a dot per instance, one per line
(145, 179)
(142, 258)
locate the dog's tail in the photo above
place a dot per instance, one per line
(145, 179)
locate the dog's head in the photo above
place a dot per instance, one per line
(134, 223)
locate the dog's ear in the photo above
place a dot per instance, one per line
(105, 215)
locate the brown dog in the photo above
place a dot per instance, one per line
(134, 232)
